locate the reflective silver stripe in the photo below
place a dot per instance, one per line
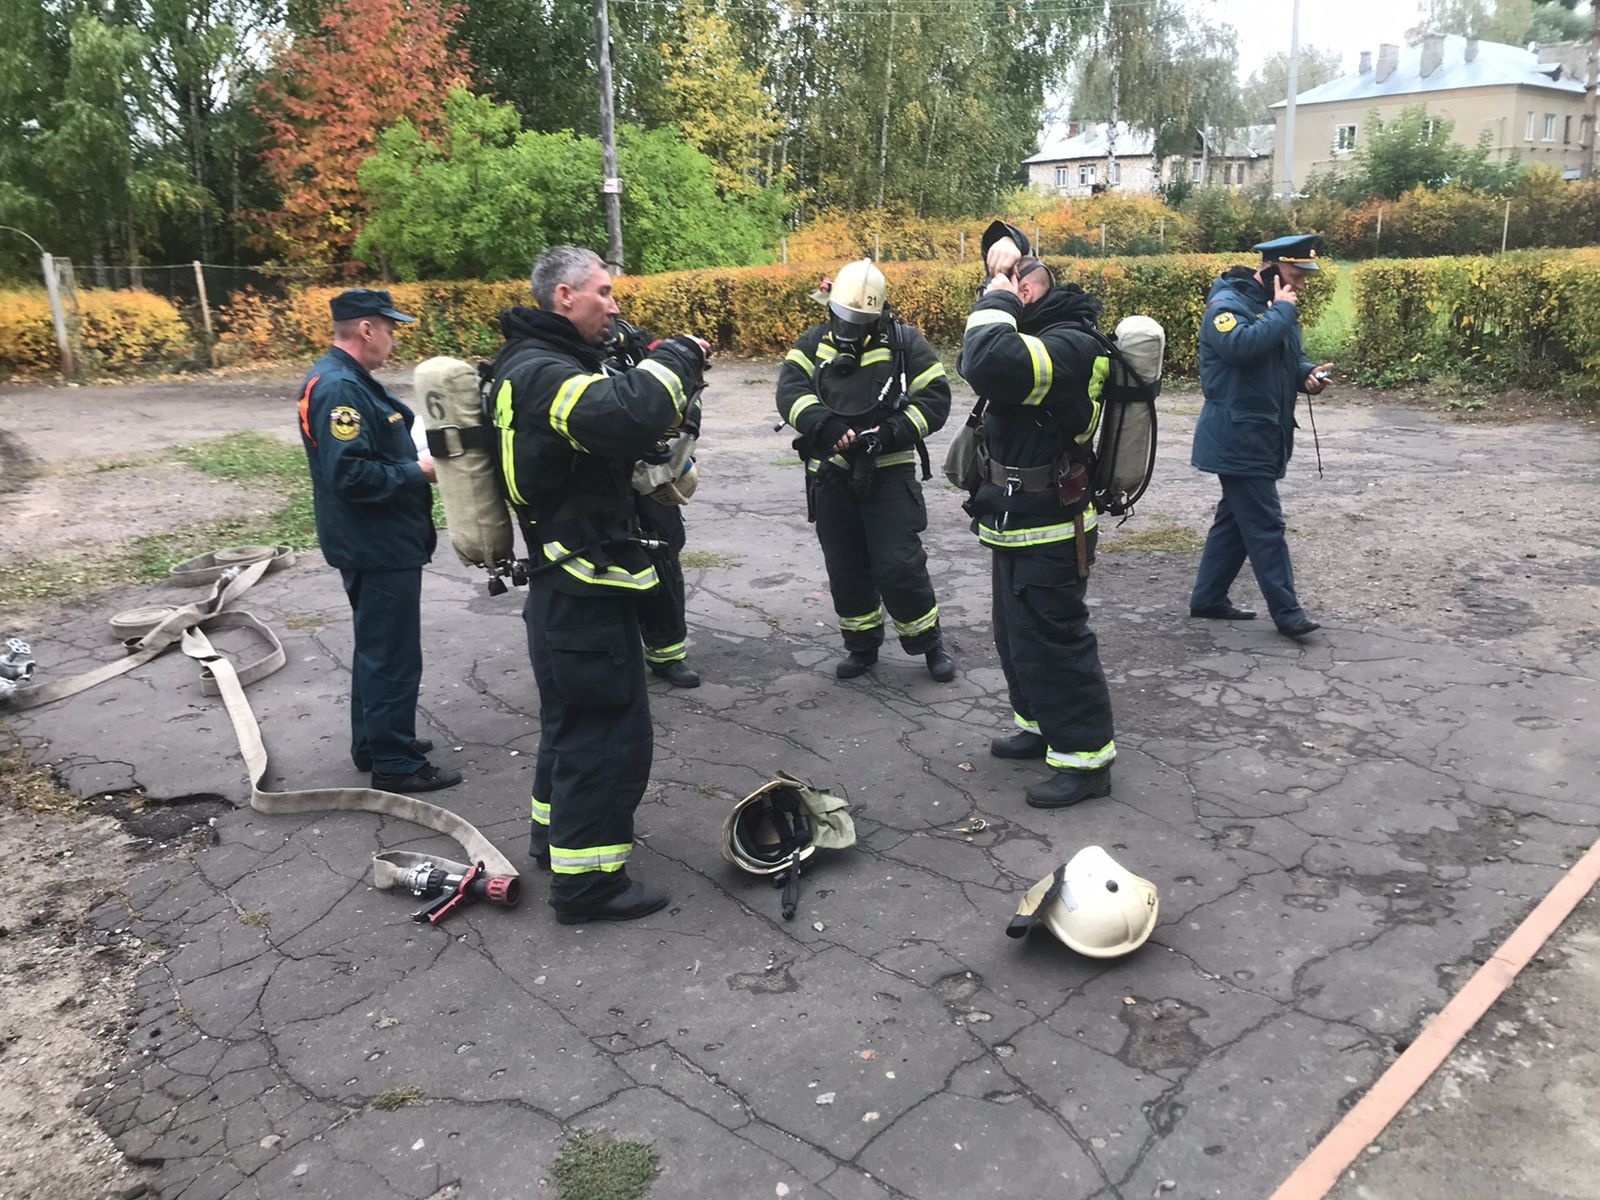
(669, 380)
(1024, 724)
(589, 858)
(898, 458)
(666, 654)
(1084, 760)
(936, 371)
(583, 570)
(990, 316)
(541, 811)
(921, 625)
(800, 405)
(1039, 535)
(1043, 369)
(826, 352)
(917, 419)
(878, 355)
(798, 357)
(566, 400)
(872, 620)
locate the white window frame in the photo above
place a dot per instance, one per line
(1086, 175)
(1063, 177)
(1114, 172)
(1566, 130)
(1527, 131)
(1195, 166)
(1430, 126)
(1549, 127)
(1344, 143)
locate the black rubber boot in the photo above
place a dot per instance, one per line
(636, 901)
(1020, 744)
(857, 662)
(1066, 788)
(940, 665)
(679, 674)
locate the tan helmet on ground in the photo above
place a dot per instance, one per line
(857, 300)
(781, 824)
(1093, 904)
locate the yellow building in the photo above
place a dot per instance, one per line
(1529, 102)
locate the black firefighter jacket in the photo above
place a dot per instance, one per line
(569, 432)
(1041, 369)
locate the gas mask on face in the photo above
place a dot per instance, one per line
(855, 311)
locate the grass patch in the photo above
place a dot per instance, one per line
(305, 621)
(597, 1166)
(1330, 339)
(1163, 539)
(25, 788)
(247, 457)
(253, 918)
(46, 578)
(787, 462)
(398, 1097)
(707, 558)
(1186, 410)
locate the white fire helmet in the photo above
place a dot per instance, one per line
(857, 299)
(1093, 904)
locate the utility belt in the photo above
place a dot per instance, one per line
(1067, 478)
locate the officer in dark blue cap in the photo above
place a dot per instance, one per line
(374, 509)
(1251, 367)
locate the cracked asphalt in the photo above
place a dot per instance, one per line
(1341, 830)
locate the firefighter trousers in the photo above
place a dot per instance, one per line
(661, 616)
(875, 558)
(1049, 654)
(595, 737)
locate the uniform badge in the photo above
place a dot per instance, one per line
(393, 417)
(345, 423)
(1225, 322)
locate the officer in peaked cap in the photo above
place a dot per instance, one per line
(1251, 367)
(374, 509)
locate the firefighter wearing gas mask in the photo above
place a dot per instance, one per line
(863, 390)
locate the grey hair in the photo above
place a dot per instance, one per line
(570, 265)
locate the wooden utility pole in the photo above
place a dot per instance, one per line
(611, 188)
(883, 127)
(1591, 91)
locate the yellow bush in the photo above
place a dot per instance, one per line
(119, 330)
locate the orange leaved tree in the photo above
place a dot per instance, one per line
(371, 64)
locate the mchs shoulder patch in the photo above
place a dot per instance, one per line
(1225, 322)
(345, 423)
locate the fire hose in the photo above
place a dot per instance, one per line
(151, 631)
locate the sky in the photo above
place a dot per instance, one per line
(1348, 26)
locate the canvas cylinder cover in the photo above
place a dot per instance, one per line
(459, 438)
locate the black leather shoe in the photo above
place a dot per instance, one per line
(539, 851)
(427, 778)
(1224, 612)
(1066, 788)
(421, 746)
(857, 662)
(940, 665)
(679, 674)
(637, 901)
(1300, 628)
(1020, 744)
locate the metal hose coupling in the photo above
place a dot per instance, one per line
(454, 890)
(17, 661)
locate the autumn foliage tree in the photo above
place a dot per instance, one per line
(371, 64)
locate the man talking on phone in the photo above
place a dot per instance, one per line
(1251, 368)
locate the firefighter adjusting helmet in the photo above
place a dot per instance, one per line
(1093, 904)
(856, 301)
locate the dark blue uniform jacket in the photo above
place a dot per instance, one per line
(1251, 365)
(374, 508)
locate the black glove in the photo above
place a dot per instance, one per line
(897, 433)
(827, 433)
(629, 344)
(691, 417)
(700, 358)
(658, 454)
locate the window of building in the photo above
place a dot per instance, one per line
(1549, 127)
(1086, 174)
(1063, 177)
(1114, 173)
(1430, 127)
(1527, 130)
(1195, 172)
(1227, 172)
(1566, 132)
(1344, 139)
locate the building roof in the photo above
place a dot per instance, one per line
(1496, 65)
(1092, 141)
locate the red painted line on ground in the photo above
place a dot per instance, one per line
(1362, 1125)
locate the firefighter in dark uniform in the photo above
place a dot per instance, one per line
(662, 619)
(570, 431)
(374, 511)
(1029, 350)
(1251, 366)
(864, 390)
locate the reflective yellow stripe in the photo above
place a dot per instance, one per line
(872, 620)
(898, 458)
(798, 357)
(668, 380)
(879, 355)
(666, 654)
(589, 858)
(1097, 383)
(990, 316)
(508, 460)
(566, 400)
(1039, 535)
(1085, 760)
(921, 625)
(936, 371)
(917, 419)
(1022, 723)
(1043, 369)
(613, 576)
(541, 811)
(799, 406)
(826, 353)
